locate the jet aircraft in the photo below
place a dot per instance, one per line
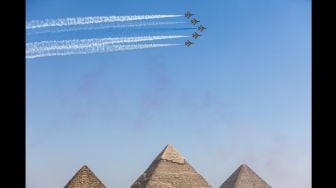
(196, 35)
(188, 14)
(188, 43)
(201, 28)
(194, 21)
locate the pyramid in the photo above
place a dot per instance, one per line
(244, 177)
(170, 170)
(84, 178)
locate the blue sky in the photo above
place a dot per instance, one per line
(242, 94)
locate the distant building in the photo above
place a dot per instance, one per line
(170, 169)
(244, 177)
(84, 178)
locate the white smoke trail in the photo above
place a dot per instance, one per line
(34, 24)
(45, 46)
(98, 49)
(96, 27)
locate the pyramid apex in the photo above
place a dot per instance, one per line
(86, 178)
(170, 153)
(244, 166)
(84, 166)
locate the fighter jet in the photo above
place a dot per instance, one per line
(194, 21)
(188, 43)
(201, 28)
(188, 14)
(196, 35)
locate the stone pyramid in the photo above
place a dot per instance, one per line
(84, 178)
(170, 170)
(244, 177)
